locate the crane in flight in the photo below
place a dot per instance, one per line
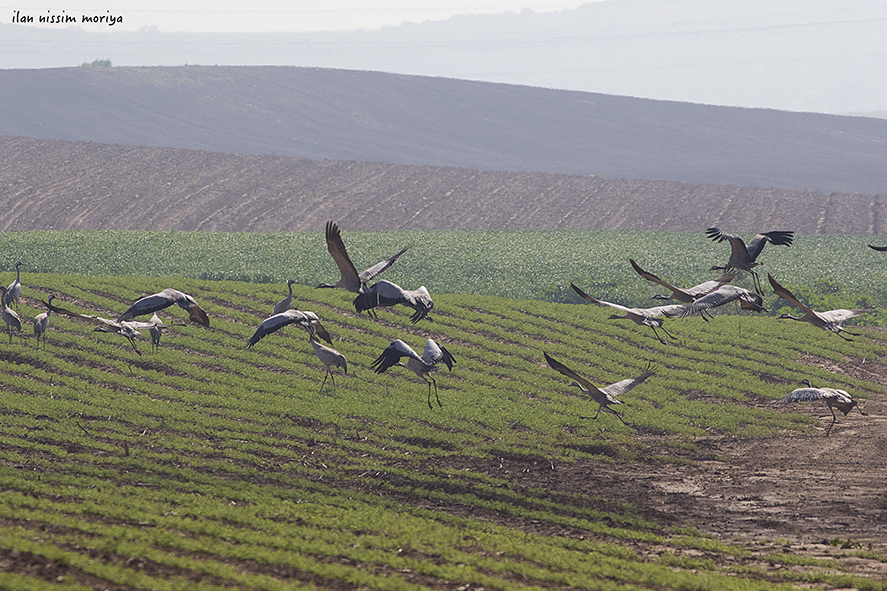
(688, 295)
(129, 329)
(722, 295)
(387, 294)
(307, 320)
(640, 316)
(745, 258)
(832, 320)
(158, 301)
(605, 397)
(832, 397)
(350, 279)
(422, 365)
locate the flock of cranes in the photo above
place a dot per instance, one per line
(700, 299)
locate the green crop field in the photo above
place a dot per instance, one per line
(838, 271)
(207, 465)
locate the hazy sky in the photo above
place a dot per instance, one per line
(268, 15)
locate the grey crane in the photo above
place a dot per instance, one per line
(307, 320)
(284, 304)
(10, 316)
(686, 296)
(744, 257)
(329, 357)
(640, 316)
(156, 331)
(350, 279)
(14, 290)
(41, 323)
(421, 366)
(722, 295)
(385, 293)
(129, 329)
(831, 396)
(605, 397)
(832, 320)
(164, 299)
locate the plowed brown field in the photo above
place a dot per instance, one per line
(46, 184)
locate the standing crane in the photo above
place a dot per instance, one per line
(421, 366)
(284, 304)
(719, 297)
(164, 299)
(744, 257)
(10, 316)
(14, 290)
(685, 296)
(831, 396)
(156, 331)
(385, 293)
(603, 396)
(350, 279)
(41, 323)
(329, 357)
(307, 320)
(640, 316)
(832, 320)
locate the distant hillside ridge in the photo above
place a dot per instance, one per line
(50, 184)
(443, 122)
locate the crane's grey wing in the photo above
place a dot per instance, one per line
(420, 301)
(788, 296)
(70, 314)
(337, 249)
(371, 273)
(434, 354)
(392, 355)
(584, 295)
(563, 369)
(146, 305)
(667, 310)
(706, 287)
(841, 315)
(717, 298)
(651, 277)
(778, 237)
(717, 234)
(623, 386)
(806, 394)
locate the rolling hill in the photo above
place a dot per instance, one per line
(442, 122)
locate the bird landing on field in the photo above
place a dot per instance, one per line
(158, 301)
(421, 366)
(832, 320)
(329, 357)
(640, 316)
(387, 294)
(832, 397)
(605, 397)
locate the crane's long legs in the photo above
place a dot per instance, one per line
(430, 382)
